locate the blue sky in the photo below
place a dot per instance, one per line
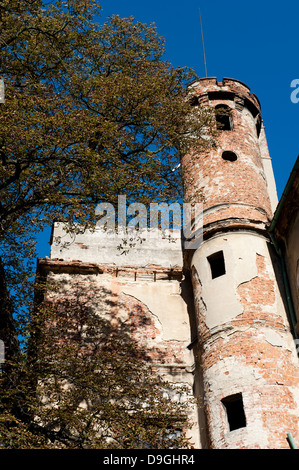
(256, 42)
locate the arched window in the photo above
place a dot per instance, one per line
(229, 156)
(224, 119)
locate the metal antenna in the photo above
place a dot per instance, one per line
(203, 44)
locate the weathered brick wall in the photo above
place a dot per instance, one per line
(245, 347)
(244, 344)
(144, 302)
(242, 183)
(126, 301)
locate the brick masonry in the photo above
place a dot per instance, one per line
(222, 336)
(244, 341)
(143, 302)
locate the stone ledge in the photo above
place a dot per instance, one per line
(155, 272)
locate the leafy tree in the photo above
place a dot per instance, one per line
(86, 383)
(91, 111)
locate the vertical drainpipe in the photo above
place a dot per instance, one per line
(291, 441)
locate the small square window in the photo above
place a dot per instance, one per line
(217, 264)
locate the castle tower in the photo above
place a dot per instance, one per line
(247, 358)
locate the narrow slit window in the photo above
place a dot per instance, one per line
(258, 126)
(217, 264)
(234, 408)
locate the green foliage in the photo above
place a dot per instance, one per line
(91, 111)
(87, 384)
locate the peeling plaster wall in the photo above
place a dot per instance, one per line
(154, 309)
(164, 301)
(141, 289)
(229, 377)
(245, 345)
(148, 247)
(240, 267)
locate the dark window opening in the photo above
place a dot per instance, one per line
(234, 408)
(258, 126)
(224, 120)
(229, 156)
(194, 101)
(217, 264)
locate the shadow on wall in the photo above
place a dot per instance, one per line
(101, 380)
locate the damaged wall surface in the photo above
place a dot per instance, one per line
(246, 350)
(217, 317)
(142, 288)
(245, 344)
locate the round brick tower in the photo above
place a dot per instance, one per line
(247, 357)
